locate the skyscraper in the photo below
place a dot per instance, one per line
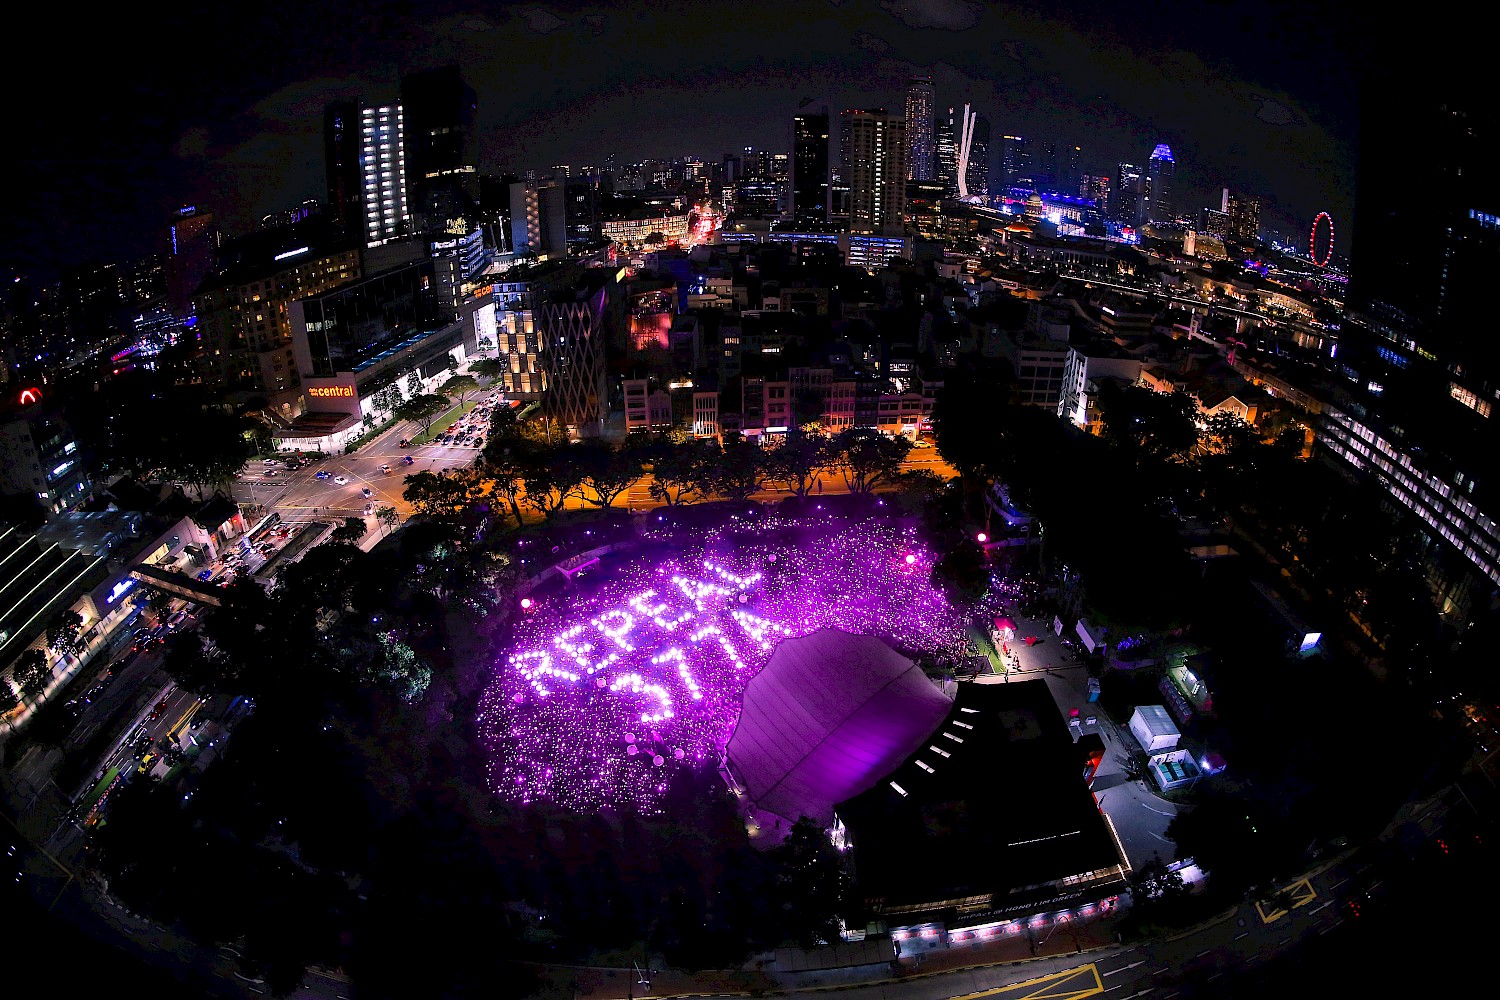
(1015, 162)
(573, 359)
(1244, 215)
(442, 149)
(341, 124)
(192, 254)
(810, 169)
(1420, 378)
(920, 108)
(1127, 201)
(877, 173)
(946, 139)
(382, 163)
(979, 157)
(1159, 184)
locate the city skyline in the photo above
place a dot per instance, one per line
(1230, 103)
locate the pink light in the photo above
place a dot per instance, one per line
(525, 603)
(910, 559)
(983, 538)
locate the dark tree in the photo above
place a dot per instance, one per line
(421, 408)
(32, 673)
(1149, 426)
(352, 530)
(62, 632)
(741, 468)
(799, 458)
(443, 495)
(962, 572)
(809, 885)
(867, 458)
(683, 473)
(607, 472)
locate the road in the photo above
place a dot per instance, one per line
(298, 495)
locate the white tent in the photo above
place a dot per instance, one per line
(1154, 729)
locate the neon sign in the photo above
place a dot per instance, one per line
(328, 391)
(29, 396)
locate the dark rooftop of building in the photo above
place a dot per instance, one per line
(994, 802)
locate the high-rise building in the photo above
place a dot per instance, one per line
(810, 169)
(1159, 184)
(192, 253)
(1073, 171)
(920, 107)
(539, 218)
(877, 173)
(979, 156)
(1421, 381)
(1096, 188)
(341, 148)
(1015, 163)
(1243, 213)
(382, 164)
(946, 139)
(1127, 202)
(572, 336)
(442, 149)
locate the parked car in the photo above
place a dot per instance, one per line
(341, 480)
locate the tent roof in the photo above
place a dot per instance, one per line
(828, 716)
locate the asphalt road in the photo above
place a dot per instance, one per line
(298, 495)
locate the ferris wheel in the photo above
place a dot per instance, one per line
(1314, 241)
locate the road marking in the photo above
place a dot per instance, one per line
(1330, 927)
(1338, 883)
(1157, 811)
(1284, 941)
(1164, 968)
(1321, 906)
(1123, 968)
(1159, 837)
(1242, 934)
(1205, 951)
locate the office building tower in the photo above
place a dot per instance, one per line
(1215, 222)
(1015, 163)
(1243, 213)
(1421, 381)
(442, 149)
(1159, 184)
(1096, 188)
(877, 173)
(809, 169)
(382, 163)
(1127, 201)
(341, 148)
(920, 134)
(946, 141)
(539, 218)
(1045, 168)
(1072, 172)
(192, 254)
(979, 157)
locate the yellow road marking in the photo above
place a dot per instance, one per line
(1070, 984)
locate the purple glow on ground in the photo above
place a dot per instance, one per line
(606, 689)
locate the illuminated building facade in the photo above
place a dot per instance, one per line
(39, 456)
(1015, 162)
(341, 161)
(382, 163)
(1420, 384)
(810, 169)
(920, 101)
(1127, 202)
(442, 149)
(573, 350)
(877, 173)
(1159, 170)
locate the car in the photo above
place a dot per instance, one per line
(404, 443)
(175, 622)
(341, 480)
(146, 763)
(205, 575)
(322, 474)
(447, 439)
(408, 460)
(479, 442)
(366, 492)
(385, 468)
(369, 509)
(272, 472)
(268, 461)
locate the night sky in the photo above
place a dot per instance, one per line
(220, 106)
